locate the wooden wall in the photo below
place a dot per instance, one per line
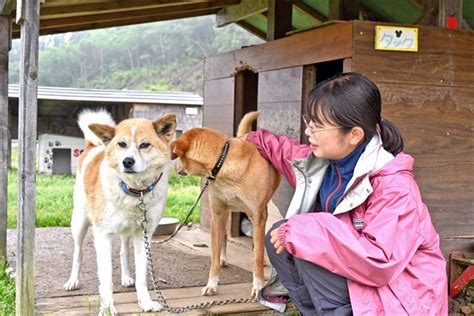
(428, 94)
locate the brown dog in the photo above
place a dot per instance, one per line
(245, 183)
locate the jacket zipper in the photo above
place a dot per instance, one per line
(339, 183)
(305, 187)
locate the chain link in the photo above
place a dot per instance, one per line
(142, 206)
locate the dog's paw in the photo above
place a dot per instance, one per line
(107, 310)
(150, 306)
(257, 285)
(209, 290)
(127, 281)
(223, 262)
(71, 284)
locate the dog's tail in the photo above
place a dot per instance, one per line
(96, 116)
(246, 122)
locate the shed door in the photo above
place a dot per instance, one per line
(61, 161)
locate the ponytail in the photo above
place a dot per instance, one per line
(391, 137)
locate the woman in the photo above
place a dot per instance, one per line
(357, 237)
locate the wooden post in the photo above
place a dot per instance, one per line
(5, 26)
(279, 18)
(344, 10)
(27, 120)
(450, 14)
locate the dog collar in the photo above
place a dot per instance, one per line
(219, 162)
(134, 192)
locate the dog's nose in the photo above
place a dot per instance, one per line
(128, 162)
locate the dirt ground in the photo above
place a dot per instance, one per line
(176, 265)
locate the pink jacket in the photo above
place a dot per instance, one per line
(380, 236)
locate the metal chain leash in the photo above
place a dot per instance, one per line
(142, 206)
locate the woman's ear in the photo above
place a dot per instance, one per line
(357, 135)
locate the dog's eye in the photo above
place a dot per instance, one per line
(122, 144)
(144, 145)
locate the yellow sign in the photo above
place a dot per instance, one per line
(397, 38)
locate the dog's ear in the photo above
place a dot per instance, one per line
(104, 132)
(178, 148)
(165, 127)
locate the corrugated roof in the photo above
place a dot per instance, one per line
(109, 95)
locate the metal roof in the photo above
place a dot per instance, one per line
(109, 95)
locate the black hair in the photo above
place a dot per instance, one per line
(349, 100)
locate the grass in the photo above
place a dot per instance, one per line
(7, 290)
(54, 200)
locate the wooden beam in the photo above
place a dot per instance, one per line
(303, 7)
(344, 10)
(450, 9)
(27, 117)
(245, 9)
(102, 17)
(54, 29)
(429, 13)
(83, 8)
(5, 27)
(279, 16)
(252, 29)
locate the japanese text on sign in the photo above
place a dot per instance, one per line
(396, 38)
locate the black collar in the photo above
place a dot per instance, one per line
(219, 162)
(138, 193)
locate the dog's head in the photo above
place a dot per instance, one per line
(196, 151)
(137, 146)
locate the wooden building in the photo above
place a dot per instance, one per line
(429, 94)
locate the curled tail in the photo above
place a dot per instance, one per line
(96, 116)
(246, 122)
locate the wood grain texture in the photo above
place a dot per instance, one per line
(444, 57)
(322, 44)
(5, 23)
(28, 107)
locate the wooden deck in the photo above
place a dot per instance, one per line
(126, 303)
(239, 254)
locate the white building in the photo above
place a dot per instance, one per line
(59, 154)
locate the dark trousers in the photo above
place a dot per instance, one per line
(313, 289)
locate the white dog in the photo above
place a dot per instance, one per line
(119, 163)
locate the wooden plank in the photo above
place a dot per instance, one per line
(444, 57)
(120, 22)
(306, 48)
(126, 303)
(240, 12)
(5, 26)
(436, 123)
(279, 17)
(52, 8)
(131, 13)
(28, 104)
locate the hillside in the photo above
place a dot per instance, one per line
(162, 56)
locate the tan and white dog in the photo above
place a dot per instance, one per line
(245, 183)
(119, 163)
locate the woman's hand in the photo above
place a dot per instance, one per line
(276, 241)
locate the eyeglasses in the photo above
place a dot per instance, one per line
(313, 130)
